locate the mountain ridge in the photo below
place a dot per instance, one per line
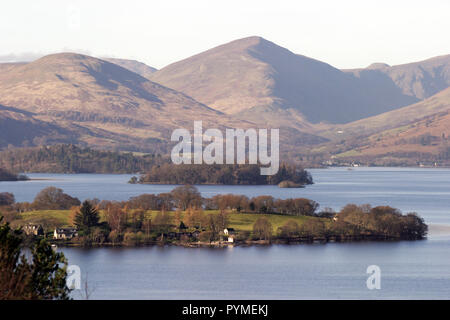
(102, 103)
(420, 79)
(133, 65)
(254, 73)
(250, 82)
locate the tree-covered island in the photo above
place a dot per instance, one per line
(184, 217)
(288, 175)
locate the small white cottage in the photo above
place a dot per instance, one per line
(228, 231)
(64, 234)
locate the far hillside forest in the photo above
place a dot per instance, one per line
(75, 159)
(155, 168)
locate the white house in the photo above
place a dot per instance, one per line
(228, 231)
(64, 234)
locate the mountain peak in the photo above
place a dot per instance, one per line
(254, 75)
(70, 56)
(73, 68)
(239, 45)
(252, 40)
(378, 65)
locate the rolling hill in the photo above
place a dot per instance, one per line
(414, 134)
(100, 103)
(255, 78)
(418, 79)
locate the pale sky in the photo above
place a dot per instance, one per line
(344, 33)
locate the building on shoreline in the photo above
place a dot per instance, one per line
(65, 234)
(33, 230)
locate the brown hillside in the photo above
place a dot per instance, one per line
(418, 79)
(103, 103)
(419, 132)
(256, 79)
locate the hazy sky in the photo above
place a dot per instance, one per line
(344, 33)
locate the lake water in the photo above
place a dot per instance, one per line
(409, 270)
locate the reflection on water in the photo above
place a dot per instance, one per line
(410, 270)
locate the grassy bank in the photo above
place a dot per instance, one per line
(51, 219)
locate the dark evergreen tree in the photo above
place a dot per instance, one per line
(87, 217)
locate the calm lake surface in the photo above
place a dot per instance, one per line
(409, 270)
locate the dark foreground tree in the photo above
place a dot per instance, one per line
(41, 277)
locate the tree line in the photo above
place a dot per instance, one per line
(359, 222)
(67, 158)
(168, 173)
(181, 197)
(184, 215)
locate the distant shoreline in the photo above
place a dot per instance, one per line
(224, 244)
(434, 230)
(306, 168)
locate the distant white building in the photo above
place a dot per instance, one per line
(65, 234)
(228, 231)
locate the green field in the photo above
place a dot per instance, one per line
(239, 221)
(48, 218)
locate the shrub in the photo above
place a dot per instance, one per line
(262, 229)
(289, 230)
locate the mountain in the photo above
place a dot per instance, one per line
(256, 79)
(133, 65)
(100, 103)
(247, 83)
(416, 133)
(419, 79)
(436, 104)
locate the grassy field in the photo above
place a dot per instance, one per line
(239, 221)
(55, 218)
